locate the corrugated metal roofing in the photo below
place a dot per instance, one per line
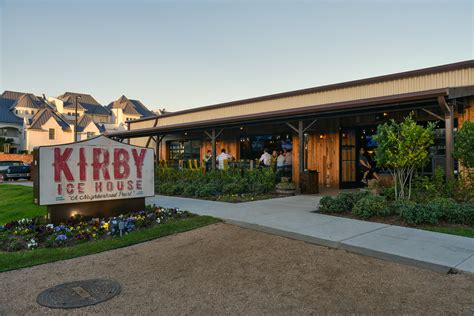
(12, 95)
(131, 107)
(86, 103)
(43, 115)
(28, 100)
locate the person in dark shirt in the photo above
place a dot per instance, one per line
(365, 166)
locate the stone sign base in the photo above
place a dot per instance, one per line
(62, 212)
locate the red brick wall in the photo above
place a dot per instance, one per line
(23, 157)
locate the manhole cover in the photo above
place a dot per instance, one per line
(78, 293)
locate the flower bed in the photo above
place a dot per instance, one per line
(38, 233)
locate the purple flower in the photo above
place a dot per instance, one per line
(61, 237)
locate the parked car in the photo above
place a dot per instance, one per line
(14, 170)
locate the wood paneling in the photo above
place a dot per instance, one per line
(323, 156)
(468, 114)
(232, 147)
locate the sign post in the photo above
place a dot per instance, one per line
(98, 177)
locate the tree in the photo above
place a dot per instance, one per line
(464, 145)
(402, 148)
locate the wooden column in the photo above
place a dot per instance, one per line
(213, 136)
(301, 147)
(449, 134)
(214, 149)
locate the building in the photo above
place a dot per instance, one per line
(322, 126)
(29, 121)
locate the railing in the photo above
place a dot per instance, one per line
(195, 164)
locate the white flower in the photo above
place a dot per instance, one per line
(158, 220)
(32, 244)
(51, 226)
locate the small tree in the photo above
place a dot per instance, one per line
(402, 148)
(464, 145)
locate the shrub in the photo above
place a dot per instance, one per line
(417, 213)
(371, 205)
(195, 183)
(342, 203)
(464, 145)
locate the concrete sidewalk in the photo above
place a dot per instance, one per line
(293, 217)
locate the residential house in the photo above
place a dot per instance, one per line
(32, 121)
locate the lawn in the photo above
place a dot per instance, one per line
(460, 231)
(22, 259)
(16, 202)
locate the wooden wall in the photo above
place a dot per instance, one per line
(232, 147)
(468, 114)
(323, 156)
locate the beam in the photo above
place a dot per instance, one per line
(292, 127)
(449, 126)
(433, 114)
(310, 124)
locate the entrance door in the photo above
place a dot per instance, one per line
(348, 161)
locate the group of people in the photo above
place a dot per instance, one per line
(223, 156)
(280, 161)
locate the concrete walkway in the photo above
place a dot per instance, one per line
(293, 217)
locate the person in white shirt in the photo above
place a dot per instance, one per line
(280, 160)
(221, 158)
(266, 158)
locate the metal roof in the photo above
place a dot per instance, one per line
(327, 110)
(43, 115)
(131, 107)
(6, 115)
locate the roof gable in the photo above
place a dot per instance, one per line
(28, 100)
(44, 115)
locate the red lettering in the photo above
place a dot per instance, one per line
(130, 185)
(139, 160)
(110, 186)
(98, 187)
(138, 184)
(60, 189)
(120, 185)
(82, 164)
(70, 188)
(80, 188)
(100, 165)
(121, 167)
(60, 164)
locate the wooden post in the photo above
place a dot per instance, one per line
(449, 136)
(301, 146)
(214, 148)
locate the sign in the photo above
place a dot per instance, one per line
(94, 170)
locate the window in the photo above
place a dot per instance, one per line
(184, 150)
(51, 133)
(16, 111)
(90, 135)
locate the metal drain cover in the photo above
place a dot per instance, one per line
(79, 293)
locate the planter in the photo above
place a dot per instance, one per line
(285, 191)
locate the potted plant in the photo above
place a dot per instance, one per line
(285, 187)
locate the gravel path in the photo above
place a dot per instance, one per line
(226, 269)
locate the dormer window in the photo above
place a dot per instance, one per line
(16, 111)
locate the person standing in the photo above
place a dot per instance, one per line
(265, 158)
(223, 156)
(280, 163)
(207, 160)
(288, 163)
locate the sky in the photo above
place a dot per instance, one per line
(184, 54)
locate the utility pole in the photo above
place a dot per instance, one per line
(75, 118)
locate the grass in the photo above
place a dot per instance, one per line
(23, 259)
(16, 202)
(460, 231)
